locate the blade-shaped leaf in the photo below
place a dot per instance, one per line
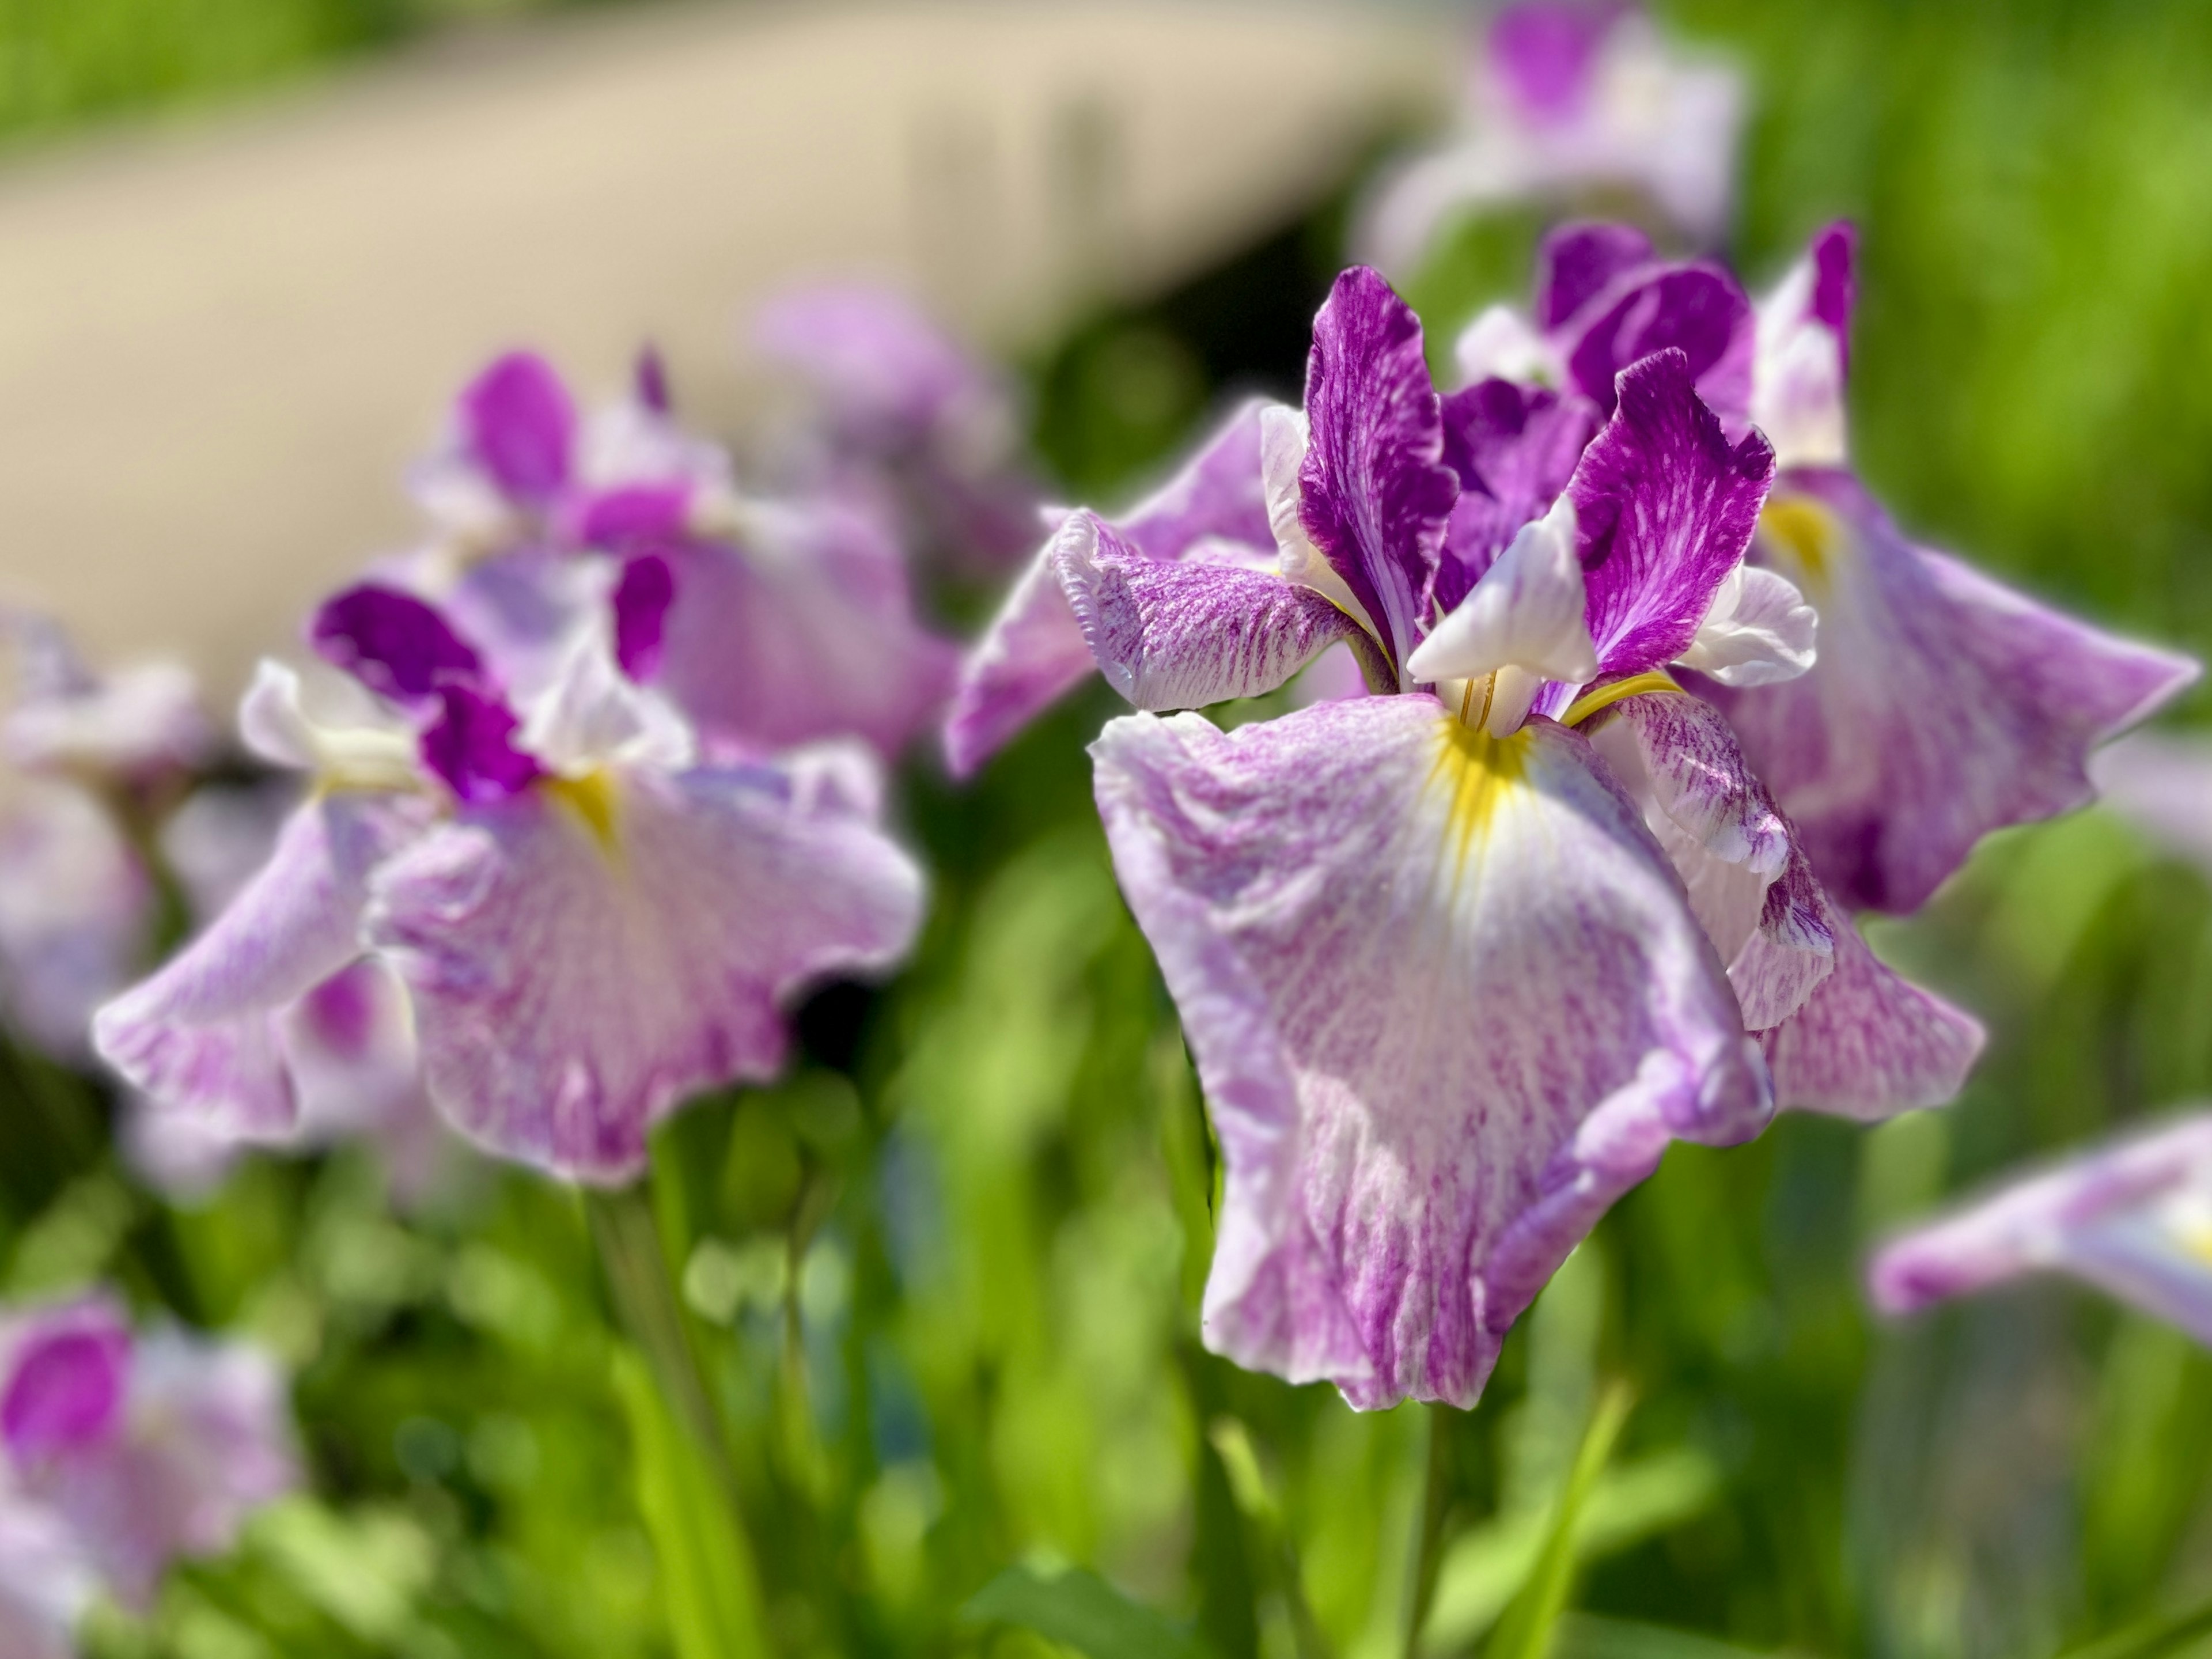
(1084, 1612)
(1527, 1630)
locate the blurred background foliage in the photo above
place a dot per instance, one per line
(945, 1275)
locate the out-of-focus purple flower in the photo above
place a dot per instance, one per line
(1944, 704)
(783, 621)
(1567, 100)
(901, 405)
(2161, 782)
(46, 1581)
(2133, 1217)
(571, 920)
(122, 729)
(145, 1449)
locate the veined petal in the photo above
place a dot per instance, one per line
(1187, 634)
(1581, 260)
(518, 425)
(1758, 631)
(1514, 448)
(1667, 507)
(1446, 1003)
(2133, 1217)
(580, 962)
(1526, 612)
(1033, 654)
(1803, 332)
(1374, 492)
(1943, 705)
(198, 1035)
(802, 627)
(1697, 309)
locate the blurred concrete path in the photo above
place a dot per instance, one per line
(221, 341)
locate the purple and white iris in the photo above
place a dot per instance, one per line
(119, 1454)
(1566, 100)
(547, 910)
(791, 620)
(1445, 995)
(2133, 1217)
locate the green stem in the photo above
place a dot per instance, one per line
(1436, 1504)
(645, 1300)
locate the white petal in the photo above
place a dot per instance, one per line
(274, 721)
(593, 713)
(1502, 344)
(1526, 612)
(1283, 439)
(1759, 631)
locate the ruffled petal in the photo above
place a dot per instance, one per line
(1667, 507)
(1758, 631)
(200, 1035)
(1033, 654)
(1187, 634)
(2133, 1217)
(584, 957)
(1697, 309)
(804, 627)
(1375, 493)
(1943, 705)
(1446, 1003)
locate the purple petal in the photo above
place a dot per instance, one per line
(580, 963)
(649, 381)
(806, 629)
(66, 1373)
(1033, 654)
(1446, 1004)
(2128, 1216)
(1697, 309)
(618, 519)
(1374, 492)
(1183, 635)
(471, 747)
(642, 599)
(2163, 784)
(887, 371)
(1514, 448)
(1545, 53)
(1942, 706)
(392, 643)
(46, 1581)
(518, 425)
(198, 1036)
(1835, 288)
(1867, 1044)
(1667, 507)
(1579, 262)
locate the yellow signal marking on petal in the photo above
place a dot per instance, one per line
(1605, 695)
(593, 797)
(2195, 1237)
(1481, 771)
(1806, 530)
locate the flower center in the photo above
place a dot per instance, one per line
(1806, 531)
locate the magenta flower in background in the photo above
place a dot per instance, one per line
(902, 409)
(1564, 99)
(570, 918)
(2133, 1217)
(126, 1452)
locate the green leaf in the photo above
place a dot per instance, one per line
(1527, 1630)
(1585, 1635)
(1083, 1611)
(707, 1578)
(2150, 1637)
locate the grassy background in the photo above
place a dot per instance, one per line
(946, 1274)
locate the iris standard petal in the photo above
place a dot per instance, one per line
(1446, 1004)
(518, 425)
(199, 1035)
(392, 643)
(1580, 260)
(1666, 506)
(1033, 654)
(1942, 706)
(584, 956)
(1802, 356)
(1697, 309)
(1374, 492)
(1185, 634)
(2133, 1217)
(1513, 447)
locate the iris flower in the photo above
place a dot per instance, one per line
(1566, 100)
(793, 620)
(124, 1452)
(1445, 992)
(2133, 1217)
(574, 919)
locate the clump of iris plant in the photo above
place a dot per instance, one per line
(1457, 959)
(122, 1452)
(1570, 101)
